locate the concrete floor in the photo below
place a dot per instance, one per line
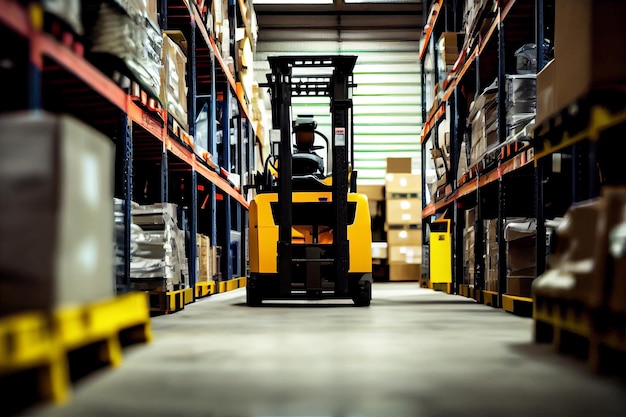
(412, 353)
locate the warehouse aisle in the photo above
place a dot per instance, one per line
(412, 353)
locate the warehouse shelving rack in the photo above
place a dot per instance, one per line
(60, 79)
(504, 185)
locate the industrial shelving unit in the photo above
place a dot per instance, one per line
(502, 184)
(153, 161)
(45, 67)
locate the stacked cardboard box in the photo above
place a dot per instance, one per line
(126, 31)
(56, 213)
(483, 117)
(403, 220)
(590, 256)
(472, 21)
(158, 259)
(221, 26)
(491, 254)
(173, 76)
(449, 45)
(521, 239)
(470, 240)
(204, 255)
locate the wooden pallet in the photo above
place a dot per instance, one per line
(595, 336)
(166, 302)
(569, 327)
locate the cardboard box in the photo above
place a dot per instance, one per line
(404, 237)
(399, 165)
(173, 76)
(379, 250)
(470, 217)
(449, 45)
(405, 272)
(405, 211)
(405, 254)
(403, 184)
(520, 286)
(547, 99)
(373, 192)
(375, 197)
(204, 257)
(521, 255)
(215, 260)
(56, 213)
(152, 11)
(588, 39)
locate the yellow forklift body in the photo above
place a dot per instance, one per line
(263, 232)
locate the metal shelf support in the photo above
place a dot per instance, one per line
(125, 154)
(213, 149)
(227, 264)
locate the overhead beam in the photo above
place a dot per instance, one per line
(341, 8)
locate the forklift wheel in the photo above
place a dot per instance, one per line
(253, 297)
(363, 297)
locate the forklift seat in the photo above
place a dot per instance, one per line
(307, 164)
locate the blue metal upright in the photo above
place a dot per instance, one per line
(539, 168)
(35, 101)
(213, 150)
(227, 265)
(502, 252)
(125, 151)
(191, 119)
(165, 194)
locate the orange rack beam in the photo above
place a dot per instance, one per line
(432, 19)
(16, 17)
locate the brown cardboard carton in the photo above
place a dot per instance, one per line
(470, 217)
(588, 36)
(520, 286)
(405, 254)
(521, 241)
(204, 255)
(547, 95)
(173, 76)
(399, 165)
(615, 229)
(373, 192)
(582, 264)
(56, 213)
(375, 196)
(405, 272)
(403, 184)
(406, 211)
(404, 237)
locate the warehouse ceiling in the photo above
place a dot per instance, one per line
(339, 20)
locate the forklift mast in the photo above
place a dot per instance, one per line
(283, 86)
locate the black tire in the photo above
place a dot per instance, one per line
(363, 297)
(253, 297)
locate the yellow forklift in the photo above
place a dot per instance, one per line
(309, 231)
